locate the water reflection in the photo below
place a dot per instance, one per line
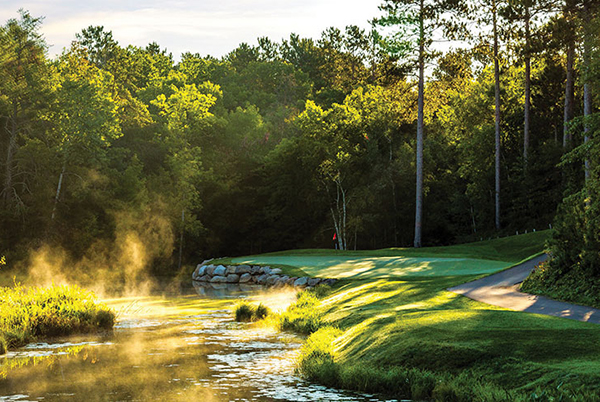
(179, 348)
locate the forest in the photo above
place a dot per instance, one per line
(283, 143)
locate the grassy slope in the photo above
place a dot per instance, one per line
(413, 321)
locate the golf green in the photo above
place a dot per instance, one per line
(355, 267)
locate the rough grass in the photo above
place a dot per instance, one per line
(410, 338)
(305, 316)
(27, 313)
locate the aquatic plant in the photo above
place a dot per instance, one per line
(248, 312)
(27, 313)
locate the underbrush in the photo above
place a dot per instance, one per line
(573, 286)
(27, 313)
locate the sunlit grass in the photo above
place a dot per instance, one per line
(479, 258)
(27, 313)
(409, 330)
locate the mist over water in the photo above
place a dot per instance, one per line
(176, 348)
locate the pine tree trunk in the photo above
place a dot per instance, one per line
(569, 86)
(420, 129)
(587, 87)
(526, 119)
(497, 116)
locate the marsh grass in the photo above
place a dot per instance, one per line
(305, 316)
(248, 312)
(27, 313)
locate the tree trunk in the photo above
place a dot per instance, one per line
(8, 190)
(419, 165)
(339, 215)
(181, 238)
(58, 188)
(526, 119)
(569, 85)
(497, 117)
(587, 86)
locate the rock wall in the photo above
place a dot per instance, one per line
(253, 275)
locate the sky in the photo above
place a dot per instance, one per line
(208, 27)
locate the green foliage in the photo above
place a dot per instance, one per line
(248, 312)
(310, 135)
(574, 285)
(27, 313)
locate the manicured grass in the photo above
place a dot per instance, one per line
(27, 313)
(415, 324)
(375, 335)
(479, 258)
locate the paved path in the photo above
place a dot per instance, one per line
(502, 289)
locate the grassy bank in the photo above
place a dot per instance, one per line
(28, 313)
(408, 337)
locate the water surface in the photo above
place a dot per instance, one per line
(177, 348)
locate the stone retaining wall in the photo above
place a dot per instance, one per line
(253, 275)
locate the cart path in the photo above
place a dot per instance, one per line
(502, 289)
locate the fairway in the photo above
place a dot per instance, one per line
(354, 267)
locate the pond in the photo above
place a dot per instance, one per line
(174, 348)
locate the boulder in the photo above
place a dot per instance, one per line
(265, 270)
(262, 279)
(314, 281)
(330, 282)
(275, 271)
(230, 269)
(301, 281)
(220, 271)
(242, 269)
(233, 278)
(218, 279)
(255, 270)
(292, 280)
(285, 278)
(245, 278)
(210, 270)
(203, 278)
(271, 279)
(200, 270)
